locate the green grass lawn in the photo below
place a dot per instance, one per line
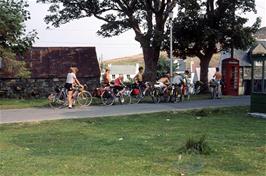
(6, 103)
(136, 145)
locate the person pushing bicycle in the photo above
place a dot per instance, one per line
(70, 82)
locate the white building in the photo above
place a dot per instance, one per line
(128, 71)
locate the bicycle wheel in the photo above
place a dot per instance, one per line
(213, 92)
(55, 101)
(84, 98)
(107, 98)
(156, 95)
(136, 95)
(125, 98)
(166, 96)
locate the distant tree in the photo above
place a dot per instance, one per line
(146, 17)
(163, 66)
(13, 37)
(201, 26)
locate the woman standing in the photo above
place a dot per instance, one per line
(70, 82)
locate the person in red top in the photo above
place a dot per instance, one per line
(118, 84)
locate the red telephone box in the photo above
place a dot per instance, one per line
(230, 74)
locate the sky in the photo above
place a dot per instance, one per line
(82, 32)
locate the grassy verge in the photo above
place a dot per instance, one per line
(134, 145)
(23, 103)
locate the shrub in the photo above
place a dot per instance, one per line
(196, 146)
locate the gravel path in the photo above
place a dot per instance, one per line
(34, 114)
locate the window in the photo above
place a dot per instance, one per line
(258, 80)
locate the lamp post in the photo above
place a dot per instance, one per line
(171, 46)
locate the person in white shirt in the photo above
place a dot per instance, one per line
(178, 79)
(70, 81)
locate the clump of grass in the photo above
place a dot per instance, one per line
(196, 146)
(207, 112)
(202, 113)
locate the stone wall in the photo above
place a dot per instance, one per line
(37, 88)
(49, 67)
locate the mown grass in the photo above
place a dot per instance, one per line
(134, 145)
(6, 103)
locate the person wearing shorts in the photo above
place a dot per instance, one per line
(70, 81)
(138, 81)
(164, 82)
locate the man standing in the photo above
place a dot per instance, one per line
(218, 77)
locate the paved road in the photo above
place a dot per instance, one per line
(30, 115)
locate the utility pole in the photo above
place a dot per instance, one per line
(171, 47)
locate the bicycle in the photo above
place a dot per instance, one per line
(58, 99)
(160, 93)
(214, 86)
(176, 93)
(196, 87)
(109, 96)
(138, 94)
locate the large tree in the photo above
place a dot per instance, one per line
(13, 37)
(205, 27)
(146, 17)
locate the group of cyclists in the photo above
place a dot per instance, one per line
(138, 81)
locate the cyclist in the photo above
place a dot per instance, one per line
(164, 81)
(178, 79)
(106, 78)
(70, 82)
(138, 80)
(218, 77)
(186, 82)
(118, 84)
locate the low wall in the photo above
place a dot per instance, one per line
(36, 88)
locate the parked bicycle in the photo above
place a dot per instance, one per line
(214, 89)
(110, 95)
(161, 94)
(58, 99)
(140, 93)
(175, 93)
(196, 87)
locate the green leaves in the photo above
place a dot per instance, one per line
(13, 37)
(200, 25)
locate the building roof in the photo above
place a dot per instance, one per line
(261, 34)
(123, 69)
(244, 55)
(259, 50)
(241, 55)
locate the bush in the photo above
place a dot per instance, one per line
(196, 146)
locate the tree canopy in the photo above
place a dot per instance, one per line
(13, 37)
(203, 28)
(146, 17)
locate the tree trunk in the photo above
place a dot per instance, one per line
(151, 57)
(204, 70)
